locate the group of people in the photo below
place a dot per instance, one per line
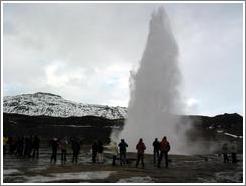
(22, 147)
(229, 152)
(160, 149)
(27, 147)
(62, 144)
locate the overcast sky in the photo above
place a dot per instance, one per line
(85, 52)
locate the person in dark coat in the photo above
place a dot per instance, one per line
(156, 146)
(28, 147)
(54, 146)
(75, 148)
(140, 154)
(122, 146)
(165, 148)
(225, 152)
(94, 151)
(35, 145)
(100, 149)
(19, 146)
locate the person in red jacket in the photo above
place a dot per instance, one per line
(140, 155)
(165, 148)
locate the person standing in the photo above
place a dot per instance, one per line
(35, 144)
(165, 148)
(115, 152)
(123, 145)
(100, 151)
(234, 151)
(94, 151)
(225, 152)
(140, 154)
(63, 147)
(76, 149)
(156, 146)
(54, 145)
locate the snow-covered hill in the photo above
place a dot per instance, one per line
(53, 105)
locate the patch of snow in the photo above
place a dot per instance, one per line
(137, 179)
(70, 176)
(232, 135)
(10, 171)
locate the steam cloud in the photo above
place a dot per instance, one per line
(155, 103)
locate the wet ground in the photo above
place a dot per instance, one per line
(182, 169)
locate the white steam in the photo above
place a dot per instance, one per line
(155, 103)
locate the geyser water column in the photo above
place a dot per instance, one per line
(154, 98)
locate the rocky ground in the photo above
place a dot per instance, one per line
(182, 169)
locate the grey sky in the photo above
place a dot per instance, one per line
(84, 52)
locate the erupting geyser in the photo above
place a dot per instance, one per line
(154, 103)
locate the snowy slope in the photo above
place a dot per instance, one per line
(53, 105)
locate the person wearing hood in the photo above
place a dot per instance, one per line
(165, 148)
(140, 152)
(122, 146)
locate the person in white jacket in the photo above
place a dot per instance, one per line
(114, 152)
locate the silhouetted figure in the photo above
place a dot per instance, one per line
(156, 146)
(140, 154)
(225, 152)
(233, 149)
(54, 145)
(76, 149)
(164, 148)
(19, 146)
(11, 144)
(28, 147)
(100, 149)
(123, 145)
(63, 147)
(94, 151)
(35, 145)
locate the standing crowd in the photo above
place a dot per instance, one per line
(22, 147)
(28, 147)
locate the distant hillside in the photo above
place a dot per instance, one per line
(87, 127)
(54, 105)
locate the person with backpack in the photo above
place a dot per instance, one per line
(140, 154)
(122, 146)
(164, 148)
